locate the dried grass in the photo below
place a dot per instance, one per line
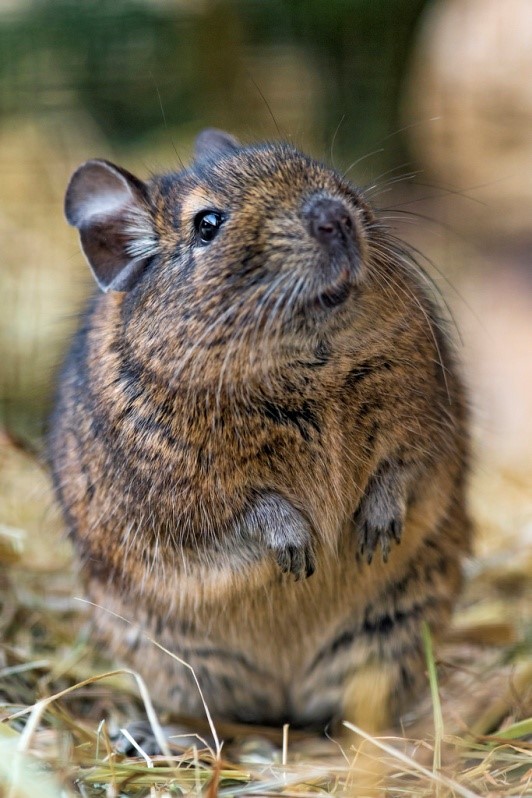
(61, 705)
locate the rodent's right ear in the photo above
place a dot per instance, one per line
(212, 142)
(109, 206)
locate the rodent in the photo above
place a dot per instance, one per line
(260, 439)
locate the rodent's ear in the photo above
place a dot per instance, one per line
(212, 142)
(109, 207)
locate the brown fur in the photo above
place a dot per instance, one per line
(222, 377)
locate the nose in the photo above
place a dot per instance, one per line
(329, 221)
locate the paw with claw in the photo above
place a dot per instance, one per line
(379, 518)
(296, 560)
(285, 532)
(371, 534)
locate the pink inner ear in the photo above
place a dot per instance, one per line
(104, 202)
(96, 189)
(108, 206)
(104, 243)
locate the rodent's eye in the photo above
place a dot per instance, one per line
(207, 225)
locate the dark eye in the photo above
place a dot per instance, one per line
(207, 224)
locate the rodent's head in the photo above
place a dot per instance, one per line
(255, 248)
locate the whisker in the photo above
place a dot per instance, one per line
(338, 126)
(394, 257)
(266, 103)
(414, 251)
(359, 160)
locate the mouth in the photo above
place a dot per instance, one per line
(337, 292)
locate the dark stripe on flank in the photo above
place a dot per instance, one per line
(366, 369)
(379, 627)
(303, 418)
(322, 355)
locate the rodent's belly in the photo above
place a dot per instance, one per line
(268, 649)
(279, 653)
(263, 666)
(261, 659)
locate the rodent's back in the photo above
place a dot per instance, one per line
(278, 396)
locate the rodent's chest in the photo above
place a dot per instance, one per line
(203, 464)
(201, 454)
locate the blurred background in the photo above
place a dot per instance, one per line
(428, 104)
(425, 103)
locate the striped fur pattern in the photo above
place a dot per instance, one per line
(260, 446)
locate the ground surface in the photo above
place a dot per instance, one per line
(65, 745)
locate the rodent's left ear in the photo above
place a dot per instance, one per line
(110, 208)
(212, 142)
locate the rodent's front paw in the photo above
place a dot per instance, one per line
(289, 537)
(296, 560)
(285, 531)
(379, 518)
(371, 534)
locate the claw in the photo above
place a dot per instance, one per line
(297, 561)
(309, 564)
(385, 546)
(371, 536)
(397, 528)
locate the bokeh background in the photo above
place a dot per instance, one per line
(429, 104)
(426, 103)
